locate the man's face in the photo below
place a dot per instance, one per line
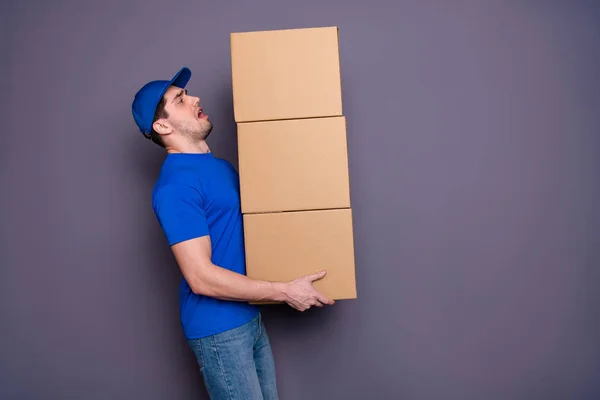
(186, 117)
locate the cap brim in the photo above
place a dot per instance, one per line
(181, 78)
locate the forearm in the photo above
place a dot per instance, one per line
(214, 281)
(205, 278)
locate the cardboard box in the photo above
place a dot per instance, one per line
(285, 246)
(286, 74)
(293, 165)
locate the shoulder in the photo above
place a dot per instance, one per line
(177, 182)
(176, 193)
(183, 175)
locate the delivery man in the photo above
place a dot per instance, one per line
(196, 200)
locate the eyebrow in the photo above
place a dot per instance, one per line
(181, 92)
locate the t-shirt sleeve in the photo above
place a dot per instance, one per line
(180, 212)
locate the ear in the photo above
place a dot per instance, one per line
(162, 127)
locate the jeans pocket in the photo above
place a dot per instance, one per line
(196, 347)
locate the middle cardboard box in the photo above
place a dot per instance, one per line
(293, 165)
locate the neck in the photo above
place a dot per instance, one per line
(189, 147)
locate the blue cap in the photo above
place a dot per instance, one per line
(148, 97)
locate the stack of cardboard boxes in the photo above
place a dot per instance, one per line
(293, 162)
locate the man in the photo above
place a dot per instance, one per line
(196, 201)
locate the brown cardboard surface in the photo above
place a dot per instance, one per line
(286, 74)
(293, 165)
(284, 246)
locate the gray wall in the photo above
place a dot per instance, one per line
(473, 146)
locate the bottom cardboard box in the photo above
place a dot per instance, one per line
(286, 245)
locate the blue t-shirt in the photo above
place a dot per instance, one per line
(197, 195)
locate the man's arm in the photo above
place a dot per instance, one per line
(194, 257)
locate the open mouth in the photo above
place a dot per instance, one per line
(201, 113)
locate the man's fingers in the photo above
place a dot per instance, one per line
(325, 300)
(316, 275)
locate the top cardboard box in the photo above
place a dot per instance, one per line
(286, 74)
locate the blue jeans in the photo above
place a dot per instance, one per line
(237, 364)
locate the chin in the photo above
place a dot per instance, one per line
(206, 130)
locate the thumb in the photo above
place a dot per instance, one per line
(317, 275)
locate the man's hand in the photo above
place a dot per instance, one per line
(301, 294)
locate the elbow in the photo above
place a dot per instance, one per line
(195, 288)
(198, 287)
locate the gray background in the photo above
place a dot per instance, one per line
(473, 148)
